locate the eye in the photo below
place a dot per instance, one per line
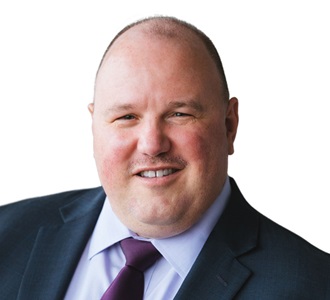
(127, 117)
(180, 118)
(180, 114)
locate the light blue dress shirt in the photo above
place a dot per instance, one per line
(103, 258)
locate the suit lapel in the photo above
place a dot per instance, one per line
(217, 272)
(58, 248)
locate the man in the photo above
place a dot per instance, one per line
(163, 127)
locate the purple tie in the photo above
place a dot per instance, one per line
(129, 283)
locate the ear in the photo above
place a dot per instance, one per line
(91, 108)
(231, 123)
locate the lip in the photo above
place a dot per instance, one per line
(139, 170)
(154, 181)
(157, 173)
(158, 182)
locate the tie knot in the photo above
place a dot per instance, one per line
(139, 254)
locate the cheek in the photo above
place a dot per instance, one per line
(110, 143)
(204, 147)
(111, 151)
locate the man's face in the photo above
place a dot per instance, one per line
(162, 133)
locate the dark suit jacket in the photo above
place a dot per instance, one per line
(247, 256)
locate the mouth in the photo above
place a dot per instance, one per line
(156, 173)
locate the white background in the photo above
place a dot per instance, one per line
(276, 57)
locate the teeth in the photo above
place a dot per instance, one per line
(158, 173)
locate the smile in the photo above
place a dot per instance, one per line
(158, 173)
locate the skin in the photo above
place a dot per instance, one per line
(158, 106)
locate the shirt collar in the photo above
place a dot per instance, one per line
(107, 232)
(180, 251)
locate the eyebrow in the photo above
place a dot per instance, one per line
(197, 106)
(187, 103)
(120, 107)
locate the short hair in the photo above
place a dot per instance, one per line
(172, 27)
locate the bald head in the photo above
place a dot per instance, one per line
(179, 32)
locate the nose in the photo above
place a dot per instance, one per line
(153, 139)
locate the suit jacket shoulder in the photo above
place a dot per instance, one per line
(41, 240)
(248, 256)
(42, 208)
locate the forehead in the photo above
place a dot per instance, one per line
(139, 47)
(148, 34)
(140, 63)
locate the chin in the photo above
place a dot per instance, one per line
(154, 219)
